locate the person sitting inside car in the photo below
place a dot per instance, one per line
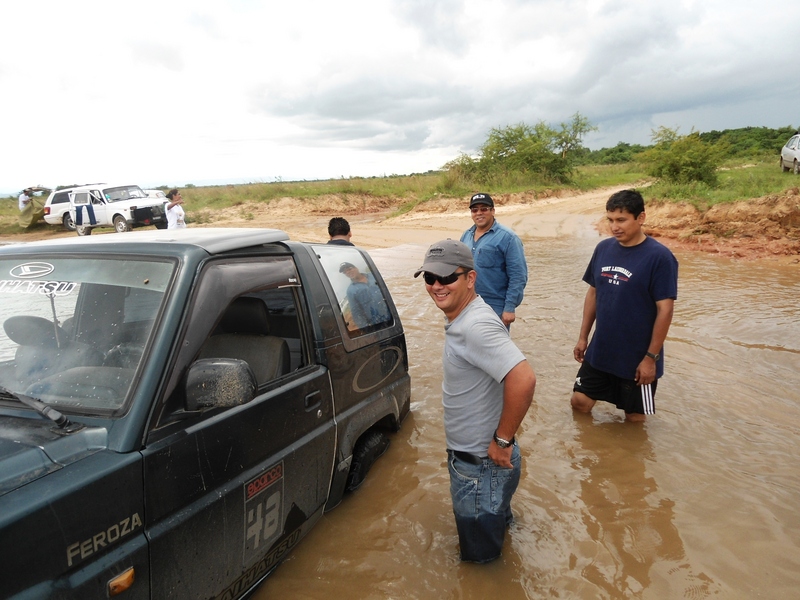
(367, 305)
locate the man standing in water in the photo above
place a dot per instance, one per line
(487, 388)
(499, 259)
(339, 232)
(633, 284)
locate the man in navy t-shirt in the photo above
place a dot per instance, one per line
(633, 283)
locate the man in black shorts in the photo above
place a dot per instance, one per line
(633, 284)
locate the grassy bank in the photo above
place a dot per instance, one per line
(735, 182)
(403, 193)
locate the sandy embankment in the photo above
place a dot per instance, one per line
(763, 228)
(767, 227)
(372, 226)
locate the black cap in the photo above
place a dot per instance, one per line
(346, 265)
(481, 199)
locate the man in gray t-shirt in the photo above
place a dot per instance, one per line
(486, 390)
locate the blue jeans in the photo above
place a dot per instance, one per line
(482, 504)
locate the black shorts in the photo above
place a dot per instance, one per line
(625, 394)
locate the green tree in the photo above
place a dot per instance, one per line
(524, 149)
(682, 158)
(570, 137)
(523, 152)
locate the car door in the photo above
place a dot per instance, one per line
(230, 491)
(87, 208)
(102, 211)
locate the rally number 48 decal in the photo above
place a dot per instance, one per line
(263, 512)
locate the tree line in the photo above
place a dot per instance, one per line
(543, 152)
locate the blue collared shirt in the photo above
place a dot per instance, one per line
(500, 263)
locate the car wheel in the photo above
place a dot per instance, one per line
(368, 449)
(784, 168)
(83, 230)
(161, 225)
(69, 224)
(796, 168)
(120, 224)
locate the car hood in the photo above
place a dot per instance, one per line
(32, 448)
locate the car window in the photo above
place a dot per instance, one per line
(80, 198)
(247, 309)
(75, 329)
(361, 301)
(125, 192)
(60, 198)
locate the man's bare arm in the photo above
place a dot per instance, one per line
(646, 371)
(589, 314)
(518, 388)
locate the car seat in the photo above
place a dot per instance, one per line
(243, 333)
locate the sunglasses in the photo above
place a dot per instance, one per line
(476, 209)
(430, 278)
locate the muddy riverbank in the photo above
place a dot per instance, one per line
(766, 227)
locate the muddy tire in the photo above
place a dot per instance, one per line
(368, 449)
(120, 224)
(67, 221)
(796, 168)
(83, 230)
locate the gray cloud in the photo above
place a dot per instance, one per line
(371, 112)
(437, 23)
(640, 62)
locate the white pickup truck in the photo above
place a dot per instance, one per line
(122, 207)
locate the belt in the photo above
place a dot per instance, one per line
(467, 457)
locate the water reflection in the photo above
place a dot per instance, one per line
(625, 514)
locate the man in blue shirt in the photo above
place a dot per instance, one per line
(633, 284)
(499, 259)
(367, 305)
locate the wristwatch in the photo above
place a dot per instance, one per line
(501, 443)
(655, 357)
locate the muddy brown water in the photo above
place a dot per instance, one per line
(702, 501)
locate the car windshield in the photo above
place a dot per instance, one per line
(75, 329)
(125, 192)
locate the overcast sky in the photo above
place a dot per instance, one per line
(232, 91)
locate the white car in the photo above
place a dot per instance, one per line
(790, 155)
(157, 194)
(56, 209)
(122, 207)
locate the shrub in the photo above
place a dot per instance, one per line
(683, 159)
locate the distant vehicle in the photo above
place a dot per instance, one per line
(156, 194)
(122, 207)
(56, 209)
(790, 155)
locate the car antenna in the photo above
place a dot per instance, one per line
(52, 297)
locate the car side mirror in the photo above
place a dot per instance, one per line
(219, 382)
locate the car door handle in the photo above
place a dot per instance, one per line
(313, 400)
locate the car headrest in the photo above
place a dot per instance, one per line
(245, 315)
(27, 330)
